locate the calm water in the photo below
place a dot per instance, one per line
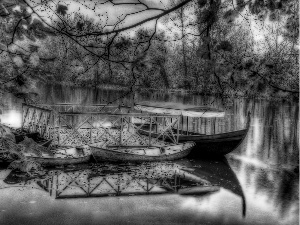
(259, 181)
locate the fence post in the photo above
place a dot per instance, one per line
(120, 142)
(178, 125)
(150, 130)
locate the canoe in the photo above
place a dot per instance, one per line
(141, 153)
(63, 156)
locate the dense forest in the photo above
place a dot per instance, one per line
(231, 48)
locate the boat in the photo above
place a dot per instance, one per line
(178, 109)
(213, 145)
(21, 134)
(62, 156)
(141, 153)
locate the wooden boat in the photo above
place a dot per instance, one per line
(214, 145)
(63, 156)
(141, 153)
(20, 136)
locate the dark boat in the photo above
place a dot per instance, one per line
(20, 136)
(214, 145)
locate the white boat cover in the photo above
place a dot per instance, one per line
(178, 109)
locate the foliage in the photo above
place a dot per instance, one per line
(206, 46)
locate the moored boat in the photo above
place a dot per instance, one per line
(20, 136)
(213, 145)
(141, 153)
(62, 156)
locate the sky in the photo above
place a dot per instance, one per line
(107, 13)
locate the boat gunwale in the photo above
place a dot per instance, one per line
(179, 144)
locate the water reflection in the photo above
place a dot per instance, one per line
(201, 179)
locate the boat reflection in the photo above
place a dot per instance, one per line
(183, 177)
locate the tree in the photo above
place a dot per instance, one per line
(113, 44)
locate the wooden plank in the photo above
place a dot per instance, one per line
(36, 107)
(118, 114)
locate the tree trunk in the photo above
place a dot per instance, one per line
(183, 45)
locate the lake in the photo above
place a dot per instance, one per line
(258, 182)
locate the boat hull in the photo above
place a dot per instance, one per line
(171, 153)
(59, 161)
(20, 136)
(215, 145)
(63, 156)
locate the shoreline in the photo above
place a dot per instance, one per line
(288, 97)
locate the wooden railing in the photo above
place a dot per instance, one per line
(74, 128)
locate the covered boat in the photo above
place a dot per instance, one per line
(178, 109)
(213, 145)
(140, 153)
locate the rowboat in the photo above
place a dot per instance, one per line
(62, 156)
(20, 136)
(141, 153)
(213, 145)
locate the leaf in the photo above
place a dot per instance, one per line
(3, 47)
(230, 15)
(225, 46)
(79, 26)
(273, 16)
(3, 11)
(40, 34)
(36, 23)
(269, 65)
(248, 64)
(203, 52)
(202, 3)
(29, 34)
(62, 9)
(34, 59)
(48, 31)
(208, 16)
(240, 4)
(18, 61)
(271, 5)
(33, 48)
(21, 80)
